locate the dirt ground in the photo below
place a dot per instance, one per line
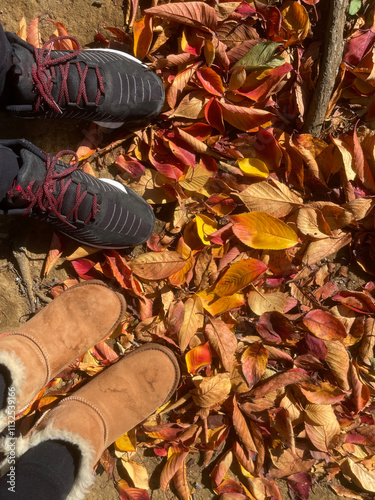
(24, 245)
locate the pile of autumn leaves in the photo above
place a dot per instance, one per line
(278, 359)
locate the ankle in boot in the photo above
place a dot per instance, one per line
(112, 403)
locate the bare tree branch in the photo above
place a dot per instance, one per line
(329, 66)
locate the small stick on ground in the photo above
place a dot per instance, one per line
(329, 66)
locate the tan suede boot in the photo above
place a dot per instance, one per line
(61, 332)
(112, 403)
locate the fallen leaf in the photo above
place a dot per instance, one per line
(263, 231)
(157, 265)
(211, 390)
(254, 362)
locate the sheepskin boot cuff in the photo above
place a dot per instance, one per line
(65, 329)
(110, 404)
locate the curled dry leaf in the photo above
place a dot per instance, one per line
(360, 476)
(157, 265)
(174, 462)
(241, 428)
(338, 361)
(279, 381)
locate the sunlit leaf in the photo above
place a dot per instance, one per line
(223, 341)
(197, 357)
(253, 167)
(261, 230)
(157, 265)
(211, 390)
(239, 275)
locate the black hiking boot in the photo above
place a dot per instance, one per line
(106, 86)
(97, 212)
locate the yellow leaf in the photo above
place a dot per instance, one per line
(215, 304)
(195, 178)
(205, 226)
(126, 442)
(263, 231)
(359, 475)
(254, 167)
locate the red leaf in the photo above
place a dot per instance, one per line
(130, 166)
(214, 115)
(211, 81)
(324, 325)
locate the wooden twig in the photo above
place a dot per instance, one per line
(329, 66)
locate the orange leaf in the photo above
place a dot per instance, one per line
(174, 462)
(142, 30)
(221, 468)
(254, 362)
(22, 28)
(197, 357)
(157, 265)
(293, 376)
(54, 253)
(239, 275)
(215, 304)
(211, 81)
(33, 33)
(181, 483)
(324, 325)
(214, 115)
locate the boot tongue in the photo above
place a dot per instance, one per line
(33, 169)
(23, 87)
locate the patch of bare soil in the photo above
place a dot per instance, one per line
(24, 244)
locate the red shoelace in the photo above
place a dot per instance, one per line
(44, 72)
(44, 198)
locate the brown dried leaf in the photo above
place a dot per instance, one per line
(241, 428)
(274, 198)
(211, 390)
(338, 361)
(157, 265)
(192, 322)
(223, 341)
